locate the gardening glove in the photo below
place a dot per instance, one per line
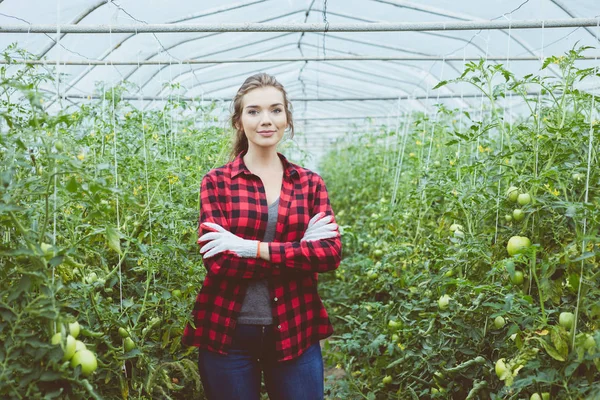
(320, 227)
(221, 240)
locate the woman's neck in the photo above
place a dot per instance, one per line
(262, 161)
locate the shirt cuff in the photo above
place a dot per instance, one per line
(277, 253)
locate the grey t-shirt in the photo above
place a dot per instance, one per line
(256, 308)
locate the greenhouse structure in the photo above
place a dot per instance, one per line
(437, 234)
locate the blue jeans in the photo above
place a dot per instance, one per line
(237, 375)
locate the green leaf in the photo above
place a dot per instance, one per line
(552, 352)
(72, 186)
(23, 286)
(560, 342)
(113, 236)
(439, 85)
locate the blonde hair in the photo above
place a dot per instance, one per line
(254, 82)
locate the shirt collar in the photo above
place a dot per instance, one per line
(238, 166)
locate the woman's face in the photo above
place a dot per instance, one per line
(263, 116)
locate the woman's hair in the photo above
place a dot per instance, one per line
(254, 82)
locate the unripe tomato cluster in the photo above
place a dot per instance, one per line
(515, 196)
(75, 350)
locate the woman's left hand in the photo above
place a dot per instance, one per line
(221, 240)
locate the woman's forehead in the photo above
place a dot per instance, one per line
(263, 97)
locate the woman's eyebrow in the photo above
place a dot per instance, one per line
(254, 106)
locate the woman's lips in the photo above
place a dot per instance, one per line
(266, 133)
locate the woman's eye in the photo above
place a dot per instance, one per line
(277, 110)
(252, 112)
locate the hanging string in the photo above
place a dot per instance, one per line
(586, 195)
(502, 140)
(147, 189)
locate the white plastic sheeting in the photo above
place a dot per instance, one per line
(307, 82)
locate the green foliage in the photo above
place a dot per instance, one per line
(99, 208)
(400, 192)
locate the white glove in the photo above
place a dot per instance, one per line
(221, 240)
(320, 227)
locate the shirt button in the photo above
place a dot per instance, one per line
(275, 299)
(278, 326)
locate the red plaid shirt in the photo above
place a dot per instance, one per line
(234, 198)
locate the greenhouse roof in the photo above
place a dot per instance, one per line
(340, 62)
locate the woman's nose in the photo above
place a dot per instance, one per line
(265, 120)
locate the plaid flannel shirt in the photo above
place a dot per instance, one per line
(234, 198)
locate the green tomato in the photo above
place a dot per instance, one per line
(128, 344)
(176, 293)
(387, 380)
(518, 214)
(372, 275)
(59, 145)
(395, 337)
(79, 345)
(517, 244)
(590, 342)
(87, 360)
(524, 199)
(123, 332)
(517, 279)
(69, 348)
(499, 322)
(512, 193)
(566, 320)
(74, 329)
(443, 302)
(91, 277)
(378, 253)
(535, 396)
(456, 227)
(545, 396)
(459, 234)
(500, 368)
(508, 217)
(394, 324)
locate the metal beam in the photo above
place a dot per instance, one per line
(303, 27)
(106, 63)
(187, 98)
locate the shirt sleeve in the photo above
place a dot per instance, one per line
(315, 255)
(226, 265)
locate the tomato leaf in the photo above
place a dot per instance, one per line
(560, 341)
(113, 235)
(552, 352)
(442, 83)
(72, 186)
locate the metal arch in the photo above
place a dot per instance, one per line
(335, 87)
(193, 70)
(383, 77)
(420, 31)
(77, 20)
(461, 16)
(118, 44)
(196, 69)
(187, 89)
(198, 38)
(571, 14)
(399, 88)
(327, 90)
(409, 68)
(226, 87)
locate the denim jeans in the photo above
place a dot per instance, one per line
(237, 375)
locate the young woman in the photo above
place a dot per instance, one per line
(266, 230)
